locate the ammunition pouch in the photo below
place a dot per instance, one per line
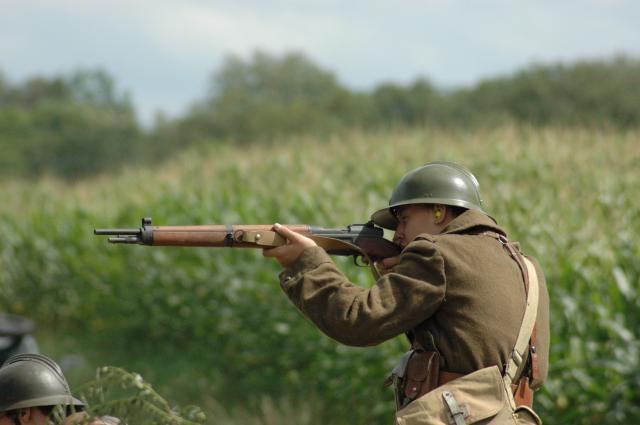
(522, 393)
(416, 374)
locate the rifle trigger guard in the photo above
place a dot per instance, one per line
(367, 262)
(359, 260)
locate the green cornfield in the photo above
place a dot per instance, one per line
(210, 327)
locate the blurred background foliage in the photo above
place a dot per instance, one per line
(554, 147)
(70, 126)
(82, 124)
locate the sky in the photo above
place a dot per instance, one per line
(163, 53)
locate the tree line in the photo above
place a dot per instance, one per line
(80, 124)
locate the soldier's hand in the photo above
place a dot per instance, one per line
(82, 418)
(388, 264)
(76, 418)
(289, 253)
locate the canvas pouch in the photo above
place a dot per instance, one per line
(477, 398)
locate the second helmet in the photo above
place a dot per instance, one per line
(32, 380)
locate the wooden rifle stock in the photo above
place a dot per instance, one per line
(237, 236)
(358, 240)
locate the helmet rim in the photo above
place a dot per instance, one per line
(44, 401)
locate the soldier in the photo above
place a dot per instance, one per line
(32, 386)
(458, 290)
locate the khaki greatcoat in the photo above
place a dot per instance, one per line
(461, 287)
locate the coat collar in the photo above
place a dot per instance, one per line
(472, 221)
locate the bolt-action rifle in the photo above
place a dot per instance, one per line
(361, 241)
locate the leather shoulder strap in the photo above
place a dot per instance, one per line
(526, 336)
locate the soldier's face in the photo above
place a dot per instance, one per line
(412, 221)
(26, 416)
(5, 420)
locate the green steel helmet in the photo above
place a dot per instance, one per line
(444, 183)
(32, 380)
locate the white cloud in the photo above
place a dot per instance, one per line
(182, 28)
(163, 50)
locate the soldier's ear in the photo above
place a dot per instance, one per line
(439, 213)
(25, 415)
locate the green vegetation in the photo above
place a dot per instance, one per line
(268, 97)
(125, 395)
(211, 327)
(70, 126)
(78, 125)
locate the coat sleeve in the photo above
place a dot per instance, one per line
(359, 316)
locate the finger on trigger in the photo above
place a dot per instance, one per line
(390, 262)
